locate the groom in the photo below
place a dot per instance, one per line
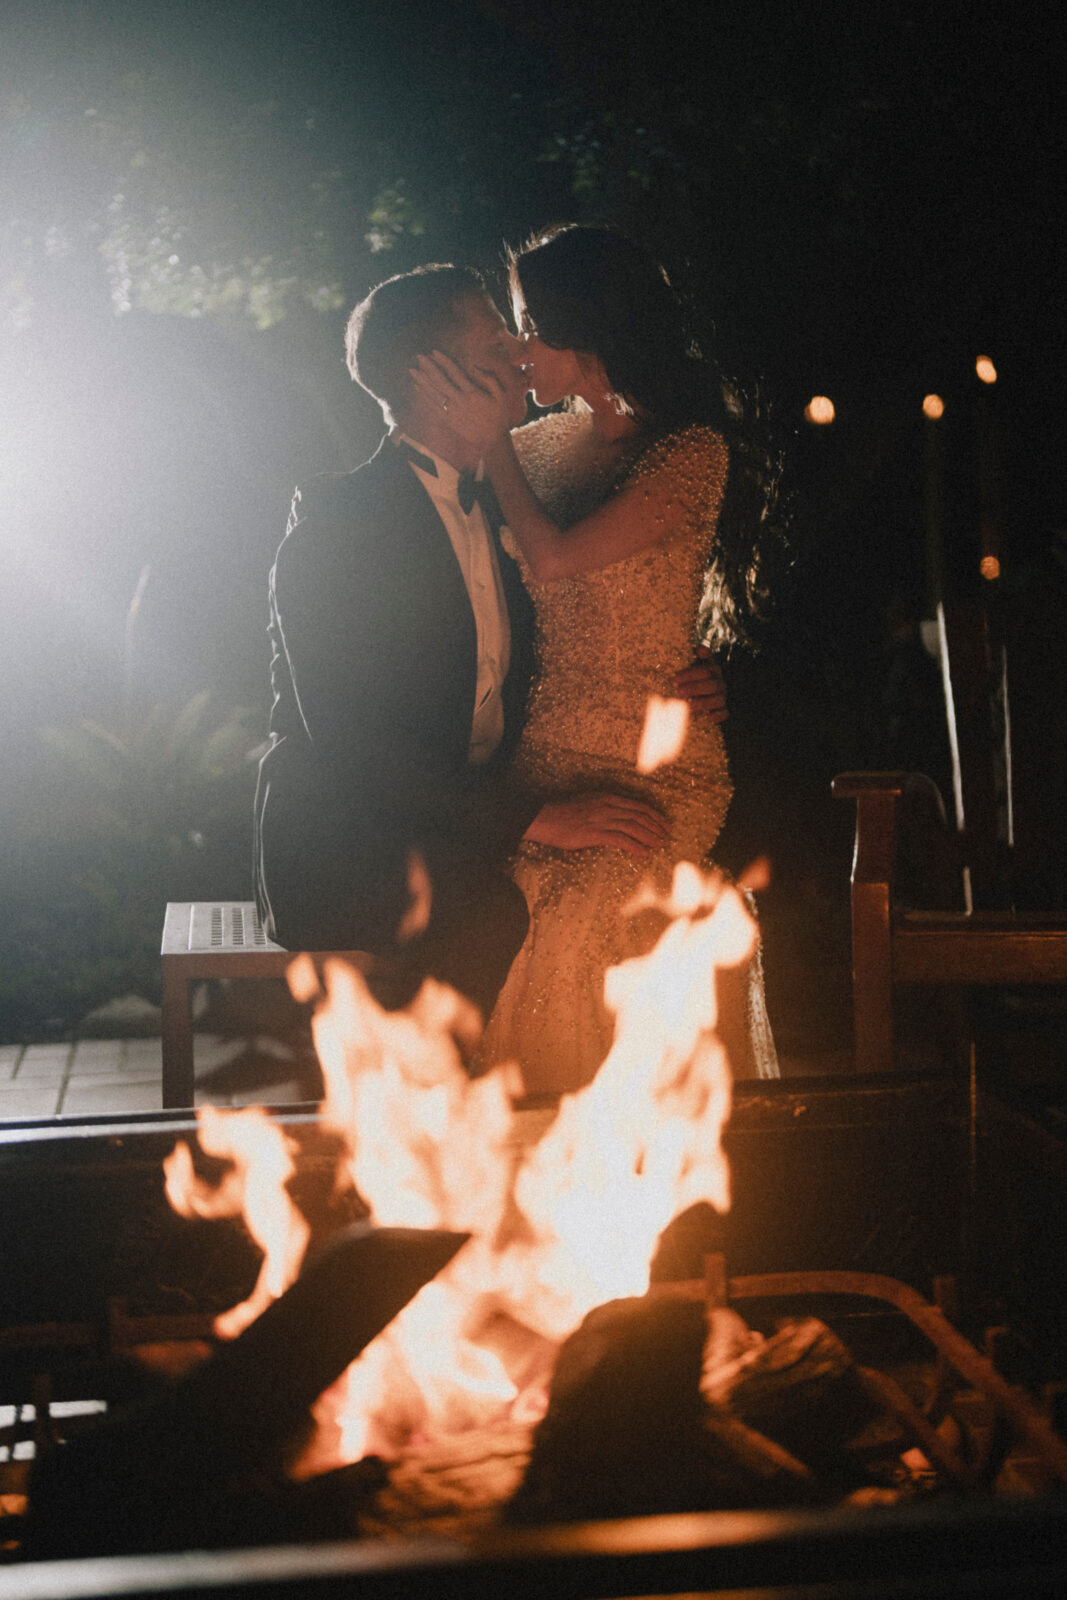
(401, 655)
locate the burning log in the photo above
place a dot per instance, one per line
(628, 1433)
(801, 1387)
(168, 1474)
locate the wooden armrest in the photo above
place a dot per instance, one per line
(982, 947)
(850, 785)
(853, 785)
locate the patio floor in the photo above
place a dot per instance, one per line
(100, 1076)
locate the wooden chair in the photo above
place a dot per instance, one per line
(893, 945)
(214, 939)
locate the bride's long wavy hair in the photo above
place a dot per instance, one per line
(594, 290)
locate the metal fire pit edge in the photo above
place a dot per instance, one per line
(920, 1550)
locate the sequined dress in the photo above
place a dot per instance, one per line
(607, 640)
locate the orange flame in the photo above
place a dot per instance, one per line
(429, 1147)
(416, 918)
(662, 738)
(253, 1187)
(556, 1229)
(303, 979)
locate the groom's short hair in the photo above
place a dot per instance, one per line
(402, 318)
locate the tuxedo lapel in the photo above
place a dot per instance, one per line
(436, 579)
(432, 605)
(430, 602)
(521, 617)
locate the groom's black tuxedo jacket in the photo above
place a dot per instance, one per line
(374, 666)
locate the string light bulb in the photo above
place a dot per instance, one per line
(985, 369)
(820, 410)
(933, 407)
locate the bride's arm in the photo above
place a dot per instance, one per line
(667, 488)
(629, 521)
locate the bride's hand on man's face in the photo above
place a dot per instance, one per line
(615, 821)
(476, 406)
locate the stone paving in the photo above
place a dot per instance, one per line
(103, 1076)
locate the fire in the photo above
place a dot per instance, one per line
(416, 918)
(557, 1226)
(425, 1145)
(666, 725)
(428, 1146)
(254, 1188)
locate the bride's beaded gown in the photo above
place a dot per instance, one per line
(607, 640)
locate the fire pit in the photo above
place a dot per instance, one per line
(900, 1176)
(907, 1179)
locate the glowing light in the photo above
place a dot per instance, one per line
(820, 410)
(428, 1147)
(666, 725)
(757, 875)
(933, 406)
(985, 369)
(255, 1188)
(989, 567)
(303, 979)
(416, 918)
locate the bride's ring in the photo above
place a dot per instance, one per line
(444, 405)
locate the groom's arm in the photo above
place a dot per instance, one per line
(484, 810)
(340, 618)
(365, 689)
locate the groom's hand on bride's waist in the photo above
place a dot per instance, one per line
(703, 685)
(612, 820)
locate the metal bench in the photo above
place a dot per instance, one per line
(214, 939)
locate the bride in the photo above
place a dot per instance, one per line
(626, 516)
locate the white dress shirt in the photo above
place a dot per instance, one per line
(475, 552)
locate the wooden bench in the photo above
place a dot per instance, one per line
(214, 939)
(894, 945)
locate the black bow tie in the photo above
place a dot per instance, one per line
(468, 487)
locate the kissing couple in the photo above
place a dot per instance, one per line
(466, 631)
